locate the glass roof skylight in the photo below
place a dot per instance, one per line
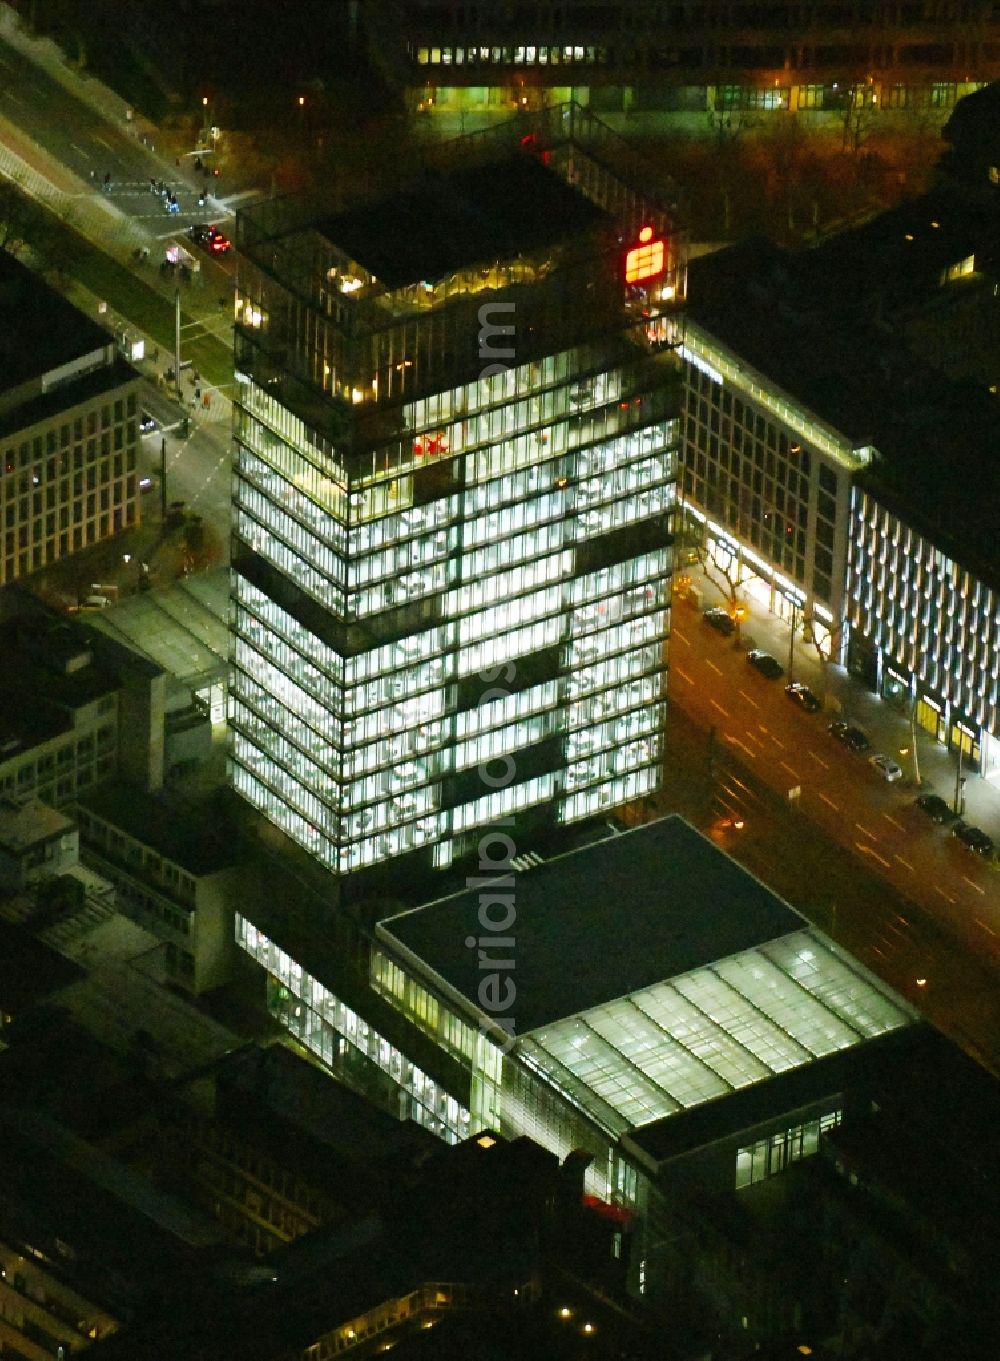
(714, 1030)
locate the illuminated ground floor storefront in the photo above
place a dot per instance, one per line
(517, 90)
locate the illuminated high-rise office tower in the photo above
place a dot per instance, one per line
(455, 452)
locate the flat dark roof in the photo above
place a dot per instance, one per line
(810, 322)
(41, 329)
(184, 833)
(601, 922)
(480, 213)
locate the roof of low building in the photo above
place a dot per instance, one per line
(598, 923)
(41, 330)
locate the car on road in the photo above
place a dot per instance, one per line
(147, 422)
(210, 239)
(936, 808)
(802, 696)
(146, 484)
(889, 769)
(766, 664)
(720, 620)
(851, 737)
(972, 837)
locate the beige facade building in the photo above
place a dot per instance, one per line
(69, 411)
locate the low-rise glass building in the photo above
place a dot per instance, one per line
(643, 999)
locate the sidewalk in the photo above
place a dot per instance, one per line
(888, 729)
(83, 209)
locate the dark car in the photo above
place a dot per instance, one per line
(803, 696)
(146, 422)
(720, 620)
(210, 239)
(973, 838)
(766, 664)
(936, 808)
(852, 738)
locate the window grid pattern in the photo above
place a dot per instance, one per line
(925, 612)
(329, 1028)
(681, 1043)
(68, 482)
(360, 758)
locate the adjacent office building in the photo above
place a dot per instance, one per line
(848, 480)
(456, 432)
(643, 999)
(651, 56)
(68, 428)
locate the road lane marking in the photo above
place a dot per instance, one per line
(865, 832)
(988, 929)
(718, 706)
(904, 862)
(713, 666)
(85, 154)
(794, 773)
(750, 701)
(677, 671)
(11, 95)
(735, 742)
(829, 801)
(94, 138)
(877, 951)
(939, 889)
(889, 818)
(754, 738)
(817, 758)
(680, 637)
(777, 742)
(867, 850)
(974, 885)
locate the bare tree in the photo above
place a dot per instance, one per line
(860, 113)
(20, 218)
(728, 123)
(825, 640)
(726, 569)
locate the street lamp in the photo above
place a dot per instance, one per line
(205, 120)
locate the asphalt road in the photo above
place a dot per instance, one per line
(874, 822)
(715, 785)
(199, 465)
(92, 147)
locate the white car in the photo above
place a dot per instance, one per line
(886, 767)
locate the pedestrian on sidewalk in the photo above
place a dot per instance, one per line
(107, 182)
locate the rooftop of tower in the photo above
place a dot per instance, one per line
(453, 219)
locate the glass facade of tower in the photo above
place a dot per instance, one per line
(451, 574)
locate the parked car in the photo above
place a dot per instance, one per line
(852, 738)
(766, 664)
(803, 696)
(889, 769)
(145, 484)
(972, 837)
(210, 239)
(936, 808)
(146, 422)
(720, 620)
